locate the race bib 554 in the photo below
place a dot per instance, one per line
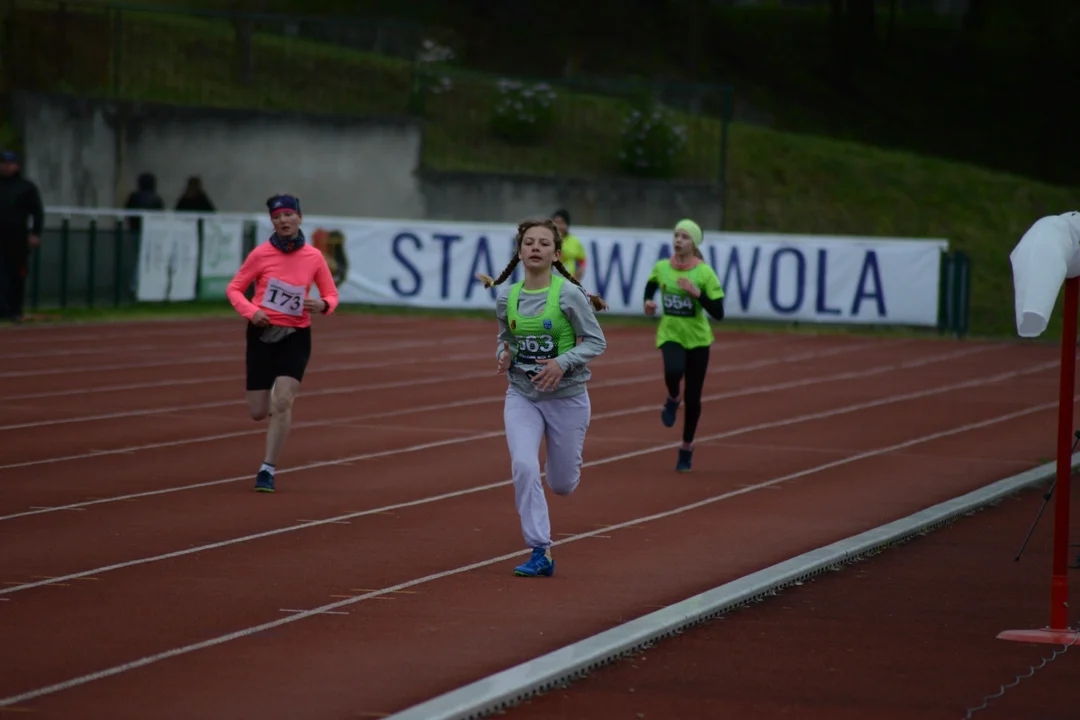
(679, 305)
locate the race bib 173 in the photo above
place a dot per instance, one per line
(284, 298)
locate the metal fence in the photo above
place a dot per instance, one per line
(89, 257)
(580, 126)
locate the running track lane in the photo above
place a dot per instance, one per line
(928, 612)
(45, 469)
(374, 476)
(589, 512)
(143, 390)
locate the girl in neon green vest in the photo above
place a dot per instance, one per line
(688, 288)
(548, 333)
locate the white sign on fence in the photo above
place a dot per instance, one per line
(809, 278)
(168, 258)
(222, 254)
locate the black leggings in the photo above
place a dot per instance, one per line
(680, 362)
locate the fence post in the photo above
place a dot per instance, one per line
(35, 296)
(945, 309)
(65, 237)
(91, 263)
(118, 259)
(961, 293)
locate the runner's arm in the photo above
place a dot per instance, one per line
(650, 289)
(505, 336)
(713, 306)
(711, 296)
(579, 311)
(247, 273)
(324, 280)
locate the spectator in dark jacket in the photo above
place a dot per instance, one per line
(20, 203)
(194, 198)
(144, 198)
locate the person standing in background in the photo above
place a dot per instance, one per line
(144, 198)
(20, 201)
(573, 252)
(194, 198)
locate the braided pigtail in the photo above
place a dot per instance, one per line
(507, 272)
(697, 253)
(597, 301)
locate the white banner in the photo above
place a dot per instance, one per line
(809, 278)
(168, 258)
(222, 255)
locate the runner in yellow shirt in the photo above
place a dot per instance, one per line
(573, 252)
(689, 288)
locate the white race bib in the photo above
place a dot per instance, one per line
(284, 298)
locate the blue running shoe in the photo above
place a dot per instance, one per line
(539, 564)
(685, 460)
(667, 415)
(264, 482)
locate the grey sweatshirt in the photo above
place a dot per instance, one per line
(576, 307)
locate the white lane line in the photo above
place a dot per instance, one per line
(232, 358)
(230, 403)
(196, 360)
(490, 486)
(328, 339)
(295, 617)
(621, 360)
(102, 349)
(221, 331)
(343, 367)
(343, 390)
(227, 329)
(340, 367)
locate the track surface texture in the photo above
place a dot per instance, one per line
(908, 634)
(142, 576)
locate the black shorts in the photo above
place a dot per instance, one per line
(266, 362)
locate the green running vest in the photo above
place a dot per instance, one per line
(542, 336)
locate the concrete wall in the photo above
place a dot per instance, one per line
(610, 202)
(88, 153)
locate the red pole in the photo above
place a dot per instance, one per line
(1059, 582)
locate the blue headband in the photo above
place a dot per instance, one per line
(281, 203)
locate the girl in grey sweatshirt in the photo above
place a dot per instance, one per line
(548, 333)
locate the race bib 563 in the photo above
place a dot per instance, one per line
(536, 347)
(284, 298)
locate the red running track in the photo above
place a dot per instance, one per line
(140, 570)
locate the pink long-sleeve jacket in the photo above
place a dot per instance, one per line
(282, 281)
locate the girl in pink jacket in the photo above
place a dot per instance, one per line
(279, 322)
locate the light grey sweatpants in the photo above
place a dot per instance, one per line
(563, 422)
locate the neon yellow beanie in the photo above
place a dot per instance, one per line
(692, 228)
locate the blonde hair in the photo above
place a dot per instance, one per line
(597, 301)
